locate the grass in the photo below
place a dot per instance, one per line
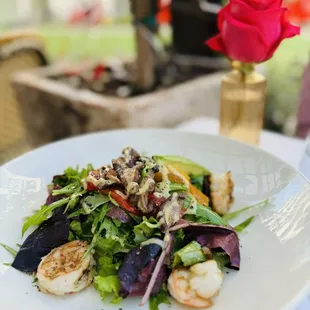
(74, 43)
(284, 75)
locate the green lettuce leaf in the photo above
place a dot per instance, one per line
(221, 258)
(104, 246)
(160, 298)
(190, 255)
(76, 228)
(106, 267)
(146, 229)
(108, 286)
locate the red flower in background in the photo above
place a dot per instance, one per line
(164, 14)
(97, 72)
(251, 30)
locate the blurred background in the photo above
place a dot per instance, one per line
(98, 65)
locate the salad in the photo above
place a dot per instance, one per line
(141, 226)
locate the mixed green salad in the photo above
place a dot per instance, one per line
(140, 226)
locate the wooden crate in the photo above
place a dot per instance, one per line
(53, 110)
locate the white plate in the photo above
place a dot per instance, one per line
(275, 253)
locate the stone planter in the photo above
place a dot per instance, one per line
(53, 110)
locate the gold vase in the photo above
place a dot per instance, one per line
(242, 104)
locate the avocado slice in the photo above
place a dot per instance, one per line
(187, 165)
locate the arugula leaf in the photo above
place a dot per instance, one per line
(196, 219)
(9, 249)
(221, 258)
(198, 213)
(232, 215)
(113, 232)
(45, 211)
(110, 231)
(146, 229)
(209, 215)
(61, 180)
(67, 190)
(90, 167)
(72, 175)
(239, 228)
(99, 217)
(190, 255)
(43, 214)
(160, 298)
(74, 199)
(91, 203)
(77, 213)
(108, 286)
(197, 181)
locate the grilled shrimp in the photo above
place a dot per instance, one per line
(194, 287)
(64, 271)
(221, 187)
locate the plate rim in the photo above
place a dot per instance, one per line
(150, 130)
(302, 294)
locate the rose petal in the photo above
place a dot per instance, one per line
(268, 22)
(243, 42)
(216, 44)
(220, 16)
(288, 31)
(261, 5)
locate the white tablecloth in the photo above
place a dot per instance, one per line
(288, 149)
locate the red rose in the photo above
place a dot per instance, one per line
(251, 30)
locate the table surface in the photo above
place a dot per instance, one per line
(288, 149)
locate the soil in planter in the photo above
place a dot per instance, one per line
(118, 80)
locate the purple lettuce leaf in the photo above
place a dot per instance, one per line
(134, 262)
(160, 270)
(119, 214)
(214, 237)
(50, 198)
(50, 234)
(139, 286)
